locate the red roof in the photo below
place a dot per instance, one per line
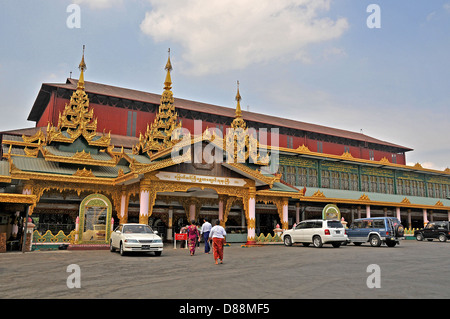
(129, 94)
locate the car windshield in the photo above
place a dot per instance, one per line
(334, 224)
(137, 229)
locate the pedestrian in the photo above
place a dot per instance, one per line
(192, 232)
(183, 230)
(199, 234)
(218, 236)
(206, 229)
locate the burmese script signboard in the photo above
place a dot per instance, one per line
(200, 179)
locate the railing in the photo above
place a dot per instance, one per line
(48, 237)
(268, 239)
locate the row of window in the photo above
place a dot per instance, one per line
(349, 181)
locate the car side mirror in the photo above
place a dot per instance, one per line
(118, 231)
(156, 232)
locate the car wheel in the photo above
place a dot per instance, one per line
(399, 231)
(442, 238)
(111, 247)
(122, 252)
(336, 245)
(317, 242)
(158, 253)
(287, 241)
(375, 241)
(419, 237)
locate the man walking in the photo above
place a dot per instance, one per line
(217, 235)
(206, 228)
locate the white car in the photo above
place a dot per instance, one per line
(316, 232)
(135, 238)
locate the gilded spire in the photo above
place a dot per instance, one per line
(82, 68)
(160, 134)
(238, 121)
(238, 99)
(168, 68)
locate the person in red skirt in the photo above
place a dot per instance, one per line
(217, 235)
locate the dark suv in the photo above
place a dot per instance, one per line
(439, 230)
(376, 230)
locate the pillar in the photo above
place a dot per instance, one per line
(385, 211)
(359, 212)
(367, 211)
(285, 221)
(425, 217)
(397, 210)
(144, 200)
(409, 219)
(251, 224)
(431, 215)
(191, 212)
(123, 214)
(220, 209)
(170, 225)
(448, 215)
(297, 213)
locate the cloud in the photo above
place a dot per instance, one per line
(99, 4)
(219, 35)
(446, 6)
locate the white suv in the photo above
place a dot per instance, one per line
(316, 232)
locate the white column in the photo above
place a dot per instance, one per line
(367, 211)
(397, 210)
(448, 214)
(425, 218)
(251, 231)
(144, 199)
(123, 208)
(297, 213)
(284, 222)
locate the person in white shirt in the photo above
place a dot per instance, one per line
(218, 236)
(206, 229)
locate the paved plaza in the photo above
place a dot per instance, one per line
(411, 270)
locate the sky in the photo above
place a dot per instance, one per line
(381, 70)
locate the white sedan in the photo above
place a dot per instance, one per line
(135, 238)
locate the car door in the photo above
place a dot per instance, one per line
(307, 234)
(297, 232)
(366, 228)
(115, 236)
(429, 231)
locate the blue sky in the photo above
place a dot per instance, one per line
(310, 60)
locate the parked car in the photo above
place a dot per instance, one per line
(316, 232)
(439, 230)
(376, 231)
(135, 238)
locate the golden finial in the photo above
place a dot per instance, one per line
(82, 68)
(168, 68)
(238, 99)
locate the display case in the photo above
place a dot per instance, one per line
(236, 234)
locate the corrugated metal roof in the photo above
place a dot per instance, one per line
(4, 168)
(40, 165)
(134, 95)
(375, 197)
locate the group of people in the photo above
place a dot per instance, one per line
(215, 235)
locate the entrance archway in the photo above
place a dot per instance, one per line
(95, 220)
